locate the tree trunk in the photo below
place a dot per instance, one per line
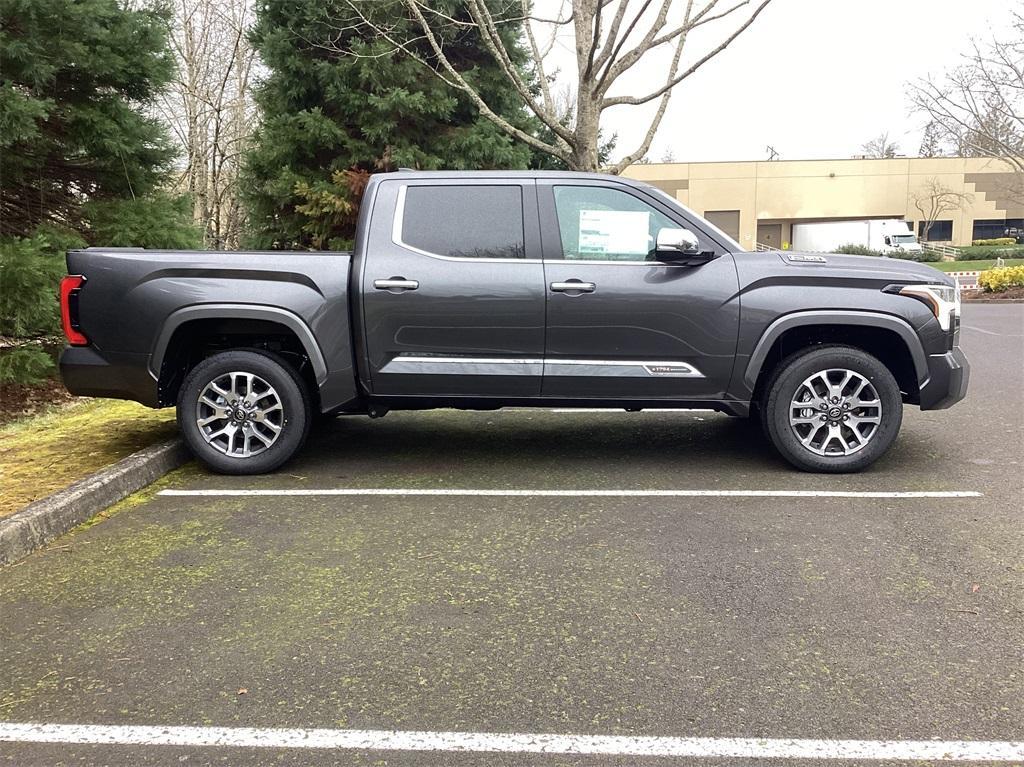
(584, 157)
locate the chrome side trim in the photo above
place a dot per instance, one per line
(521, 366)
(598, 262)
(396, 238)
(472, 366)
(620, 369)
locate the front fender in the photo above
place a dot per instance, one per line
(833, 317)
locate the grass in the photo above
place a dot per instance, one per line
(44, 453)
(973, 266)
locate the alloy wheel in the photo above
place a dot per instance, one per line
(239, 414)
(835, 412)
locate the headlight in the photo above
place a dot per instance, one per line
(943, 300)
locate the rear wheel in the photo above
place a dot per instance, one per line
(832, 409)
(243, 412)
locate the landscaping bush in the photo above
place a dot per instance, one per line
(25, 363)
(996, 241)
(1002, 278)
(920, 255)
(985, 252)
(857, 250)
(30, 271)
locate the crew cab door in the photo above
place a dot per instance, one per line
(621, 324)
(453, 288)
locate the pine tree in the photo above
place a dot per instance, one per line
(330, 118)
(72, 74)
(80, 160)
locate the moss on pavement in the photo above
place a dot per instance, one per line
(45, 453)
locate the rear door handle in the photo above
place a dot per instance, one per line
(396, 284)
(573, 286)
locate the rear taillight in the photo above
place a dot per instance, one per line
(70, 288)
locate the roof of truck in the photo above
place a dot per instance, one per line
(514, 174)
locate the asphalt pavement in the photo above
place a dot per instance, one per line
(783, 619)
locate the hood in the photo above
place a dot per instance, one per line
(879, 268)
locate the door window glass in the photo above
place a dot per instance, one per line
(601, 224)
(465, 221)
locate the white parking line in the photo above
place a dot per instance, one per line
(515, 743)
(583, 493)
(989, 332)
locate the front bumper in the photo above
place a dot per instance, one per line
(948, 376)
(88, 372)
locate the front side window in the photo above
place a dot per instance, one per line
(601, 224)
(465, 221)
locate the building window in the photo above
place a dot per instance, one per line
(990, 229)
(940, 231)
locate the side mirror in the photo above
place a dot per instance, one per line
(681, 245)
(677, 243)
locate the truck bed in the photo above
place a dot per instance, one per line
(134, 301)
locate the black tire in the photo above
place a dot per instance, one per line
(788, 381)
(292, 421)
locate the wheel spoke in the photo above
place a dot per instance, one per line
(836, 390)
(806, 441)
(267, 442)
(861, 439)
(220, 432)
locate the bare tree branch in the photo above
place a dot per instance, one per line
(210, 110)
(933, 199)
(692, 68)
(610, 38)
(979, 105)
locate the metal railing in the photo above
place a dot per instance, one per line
(760, 246)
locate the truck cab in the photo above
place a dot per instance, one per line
(898, 237)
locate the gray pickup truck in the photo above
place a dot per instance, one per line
(489, 289)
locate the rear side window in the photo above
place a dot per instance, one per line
(465, 221)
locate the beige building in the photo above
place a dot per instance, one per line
(758, 202)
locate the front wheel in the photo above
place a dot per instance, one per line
(243, 412)
(833, 409)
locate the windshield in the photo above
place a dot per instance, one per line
(904, 239)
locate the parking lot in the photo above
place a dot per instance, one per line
(655, 575)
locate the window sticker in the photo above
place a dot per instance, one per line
(624, 232)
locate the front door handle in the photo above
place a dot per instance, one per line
(397, 284)
(573, 286)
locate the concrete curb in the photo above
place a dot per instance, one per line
(993, 300)
(40, 522)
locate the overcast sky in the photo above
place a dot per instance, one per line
(813, 78)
